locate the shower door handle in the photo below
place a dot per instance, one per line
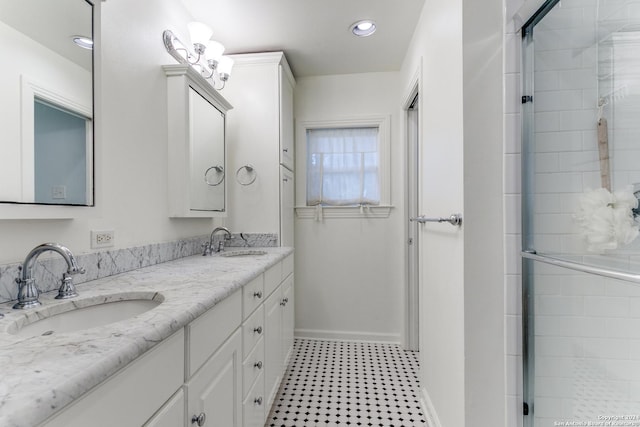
(584, 268)
(453, 219)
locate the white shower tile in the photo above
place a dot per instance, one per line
(512, 133)
(512, 101)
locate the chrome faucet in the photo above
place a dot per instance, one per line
(28, 291)
(208, 247)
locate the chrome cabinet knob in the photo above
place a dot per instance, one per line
(258, 364)
(199, 419)
(257, 294)
(258, 330)
(258, 400)
(284, 301)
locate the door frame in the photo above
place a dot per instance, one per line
(412, 315)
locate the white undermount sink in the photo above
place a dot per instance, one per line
(242, 252)
(80, 318)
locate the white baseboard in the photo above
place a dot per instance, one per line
(428, 409)
(318, 334)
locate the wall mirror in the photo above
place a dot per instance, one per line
(47, 102)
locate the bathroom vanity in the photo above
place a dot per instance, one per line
(212, 352)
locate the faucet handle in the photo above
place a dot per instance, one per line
(67, 289)
(77, 270)
(206, 248)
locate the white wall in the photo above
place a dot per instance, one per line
(437, 43)
(460, 45)
(350, 271)
(512, 216)
(131, 166)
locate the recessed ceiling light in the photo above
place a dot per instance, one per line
(83, 42)
(363, 28)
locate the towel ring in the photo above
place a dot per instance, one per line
(246, 175)
(219, 170)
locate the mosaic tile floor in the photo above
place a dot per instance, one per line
(334, 383)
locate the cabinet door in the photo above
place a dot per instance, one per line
(286, 207)
(273, 345)
(216, 389)
(286, 120)
(171, 414)
(287, 320)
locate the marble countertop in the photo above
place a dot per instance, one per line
(39, 375)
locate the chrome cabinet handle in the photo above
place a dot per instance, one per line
(454, 219)
(257, 294)
(258, 365)
(199, 419)
(258, 330)
(284, 301)
(258, 400)
(285, 150)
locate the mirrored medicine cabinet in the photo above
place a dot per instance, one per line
(47, 106)
(196, 144)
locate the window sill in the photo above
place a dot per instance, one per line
(309, 212)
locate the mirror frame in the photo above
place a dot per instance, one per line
(20, 210)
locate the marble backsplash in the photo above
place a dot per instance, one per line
(48, 271)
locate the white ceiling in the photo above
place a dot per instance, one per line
(314, 34)
(52, 23)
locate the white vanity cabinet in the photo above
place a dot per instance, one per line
(222, 369)
(260, 134)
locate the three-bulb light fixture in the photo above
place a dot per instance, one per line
(205, 57)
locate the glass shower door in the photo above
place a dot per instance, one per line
(581, 251)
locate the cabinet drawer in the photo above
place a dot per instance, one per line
(137, 391)
(253, 366)
(209, 331)
(272, 278)
(253, 407)
(252, 295)
(252, 331)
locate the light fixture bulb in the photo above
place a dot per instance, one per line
(214, 51)
(225, 64)
(363, 28)
(200, 34)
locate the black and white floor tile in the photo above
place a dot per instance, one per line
(335, 383)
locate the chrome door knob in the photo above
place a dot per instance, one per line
(199, 419)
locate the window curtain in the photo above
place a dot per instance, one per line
(343, 167)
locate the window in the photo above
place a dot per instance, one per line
(343, 167)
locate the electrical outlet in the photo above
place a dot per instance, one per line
(102, 238)
(59, 192)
